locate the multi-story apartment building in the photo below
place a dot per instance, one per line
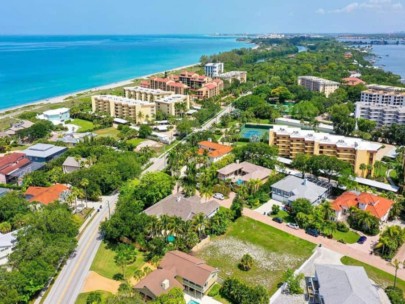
(122, 107)
(168, 104)
(193, 80)
(317, 84)
(241, 76)
(292, 141)
(211, 89)
(386, 95)
(168, 84)
(145, 94)
(382, 114)
(214, 69)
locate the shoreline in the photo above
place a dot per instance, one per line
(61, 98)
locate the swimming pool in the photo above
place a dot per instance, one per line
(193, 302)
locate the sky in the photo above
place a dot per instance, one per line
(20, 17)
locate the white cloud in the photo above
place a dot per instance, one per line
(375, 5)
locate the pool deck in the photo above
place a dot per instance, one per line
(204, 300)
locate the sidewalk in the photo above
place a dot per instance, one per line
(343, 249)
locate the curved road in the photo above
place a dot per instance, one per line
(70, 280)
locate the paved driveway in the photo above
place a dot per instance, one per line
(266, 207)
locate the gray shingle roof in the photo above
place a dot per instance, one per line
(186, 208)
(340, 284)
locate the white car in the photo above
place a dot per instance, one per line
(293, 226)
(219, 196)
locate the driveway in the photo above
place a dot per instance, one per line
(266, 207)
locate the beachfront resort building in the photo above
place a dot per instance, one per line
(173, 105)
(382, 114)
(145, 94)
(56, 116)
(292, 141)
(170, 84)
(214, 69)
(385, 95)
(317, 84)
(121, 107)
(229, 77)
(181, 270)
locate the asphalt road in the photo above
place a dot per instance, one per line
(70, 280)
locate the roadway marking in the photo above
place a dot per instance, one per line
(77, 265)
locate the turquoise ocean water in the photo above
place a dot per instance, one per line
(39, 67)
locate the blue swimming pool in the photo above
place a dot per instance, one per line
(193, 302)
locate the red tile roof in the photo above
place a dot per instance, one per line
(12, 162)
(352, 81)
(376, 205)
(210, 86)
(215, 150)
(46, 195)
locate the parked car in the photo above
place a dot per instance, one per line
(278, 220)
(362, 239)
(219, 196)
(293, 226)
(312, 231)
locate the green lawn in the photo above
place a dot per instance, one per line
(104, 263)
(379, 276)
(273, 251)
(81, 299)
(285, 216)
(112, 132)
(135, 141)
(84, 125)
(240, 144)
(349, 237)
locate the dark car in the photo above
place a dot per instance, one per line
(278, 220)
(312, 231)
(362, 239)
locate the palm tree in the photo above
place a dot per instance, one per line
(200, 223)
(396, 264)
(165, 223)
(327, 211)
(140, 116)
(206, 192)
(246, 263)
(363, 168)
(138, 274)
(84, 183)
(254, 185)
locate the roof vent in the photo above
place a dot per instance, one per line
(165, 284)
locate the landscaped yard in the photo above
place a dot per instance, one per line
(112, 132)
(273, 251)
(349, 237)
(81, 299)
(104, 263)
(380, 277)
(135, 141)
(284, 215)
(84, 125)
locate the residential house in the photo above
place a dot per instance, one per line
(72, 139)
(44, 152)
(56, 116)
(185, 208)
(47, 195)
(11, 163)
(240, 173)
(214, 151)
(291, 188)
(341, 284)
(178, 269)
(18, 126)
(352, 81)
(7, 243)
(72, 164)
(378, 206)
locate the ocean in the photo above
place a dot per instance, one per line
(392, 58)
(33, 68)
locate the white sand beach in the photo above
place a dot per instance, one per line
(59, 99)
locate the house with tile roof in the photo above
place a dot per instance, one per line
(178, 269)
(377, 206)
(185, 208)
(352, 81)
(214, 151)
(11, 163)
(47, 195)
(240, 173)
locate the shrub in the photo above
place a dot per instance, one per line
(341, 226)
(93, 298)
(239, 293)
(214, 290)
(293, 282)
(275, 209)
(395, 295)
(246, 263)
(223, 189)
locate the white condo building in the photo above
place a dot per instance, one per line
(145, 94)
(214, 69)
(386, 95)
(382, 114)
(317, 84)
